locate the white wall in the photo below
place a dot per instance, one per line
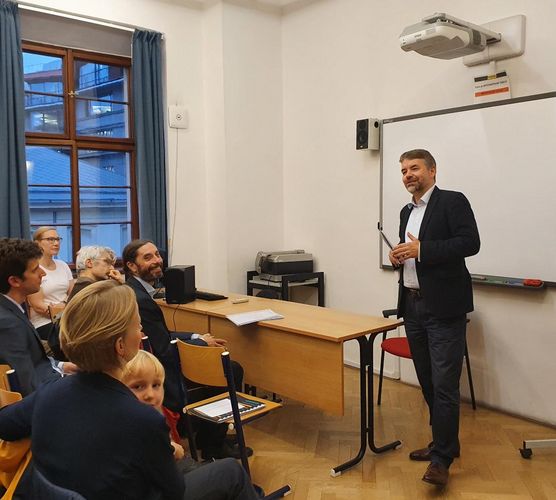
(342, 62)
(253, 114)
(243, 113)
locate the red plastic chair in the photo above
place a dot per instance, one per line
(399, 346)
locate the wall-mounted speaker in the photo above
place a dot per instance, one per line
(367, 134)
(180, 284)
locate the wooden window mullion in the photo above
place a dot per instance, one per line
(75, 203)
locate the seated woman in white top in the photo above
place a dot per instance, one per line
(55, 286)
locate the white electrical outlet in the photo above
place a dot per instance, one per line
(178, 117)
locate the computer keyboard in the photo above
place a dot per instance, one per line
(209, 296)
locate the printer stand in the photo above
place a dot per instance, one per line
(315, 280)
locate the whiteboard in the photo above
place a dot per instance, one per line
(503, 158)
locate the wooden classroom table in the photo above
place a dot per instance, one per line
(299, 357)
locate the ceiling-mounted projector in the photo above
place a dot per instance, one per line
(446, 37)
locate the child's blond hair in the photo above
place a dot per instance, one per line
(138, 364)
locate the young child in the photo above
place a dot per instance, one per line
(144, 375)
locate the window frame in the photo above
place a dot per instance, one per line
(70, 138)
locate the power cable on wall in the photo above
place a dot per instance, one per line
(174, 215)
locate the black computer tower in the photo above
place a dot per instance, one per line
(180, 284)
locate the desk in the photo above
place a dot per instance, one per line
(300, 356)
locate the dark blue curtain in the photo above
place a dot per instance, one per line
(14, 202)
(149, 135)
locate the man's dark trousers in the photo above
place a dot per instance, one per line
(437, 347)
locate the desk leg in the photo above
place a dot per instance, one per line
(320, 287)
(285, 291)
(336, 471)
(370, 400)
(367, 426)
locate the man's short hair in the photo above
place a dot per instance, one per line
(129, 253)
(419, 154)
(15, 255)
(93, 252)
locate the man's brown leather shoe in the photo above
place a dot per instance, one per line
(422, 454)
(436, 474)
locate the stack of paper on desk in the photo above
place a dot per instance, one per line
(245, 318)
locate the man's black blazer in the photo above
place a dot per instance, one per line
(154, 327)
(21, 348)
(448, 234)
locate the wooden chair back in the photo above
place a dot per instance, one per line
(202, 365)
(14, 456)
(4, 382)
(8, 379)
(8, 397)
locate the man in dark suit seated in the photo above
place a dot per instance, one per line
(437, 232)
(143, 266)
(20, 345)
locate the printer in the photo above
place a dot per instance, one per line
(272, 265)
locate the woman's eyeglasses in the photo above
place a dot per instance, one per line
(52, 240)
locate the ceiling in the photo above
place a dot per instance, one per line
(271, 5)
(277, 3)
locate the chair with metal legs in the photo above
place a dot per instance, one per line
(399, 346)
(212, 366)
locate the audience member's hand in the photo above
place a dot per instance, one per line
(213, 342)
(179, 452)
(115, 275)
(55, 309)
(69, 368)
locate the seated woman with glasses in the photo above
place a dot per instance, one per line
(90, 434)
(55, 286)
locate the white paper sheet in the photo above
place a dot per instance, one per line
(246, 318)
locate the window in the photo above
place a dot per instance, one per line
(79, 146)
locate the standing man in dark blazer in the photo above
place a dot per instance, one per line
(143, 266)
(20, 345)
(437, 232)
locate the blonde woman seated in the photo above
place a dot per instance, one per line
(91, 434)
(56, 284)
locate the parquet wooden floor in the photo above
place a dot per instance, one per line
(299, 445)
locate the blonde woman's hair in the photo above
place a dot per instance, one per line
(37, 235)
(92, 322)
(142, 361)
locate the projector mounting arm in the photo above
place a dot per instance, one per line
(491, 36)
